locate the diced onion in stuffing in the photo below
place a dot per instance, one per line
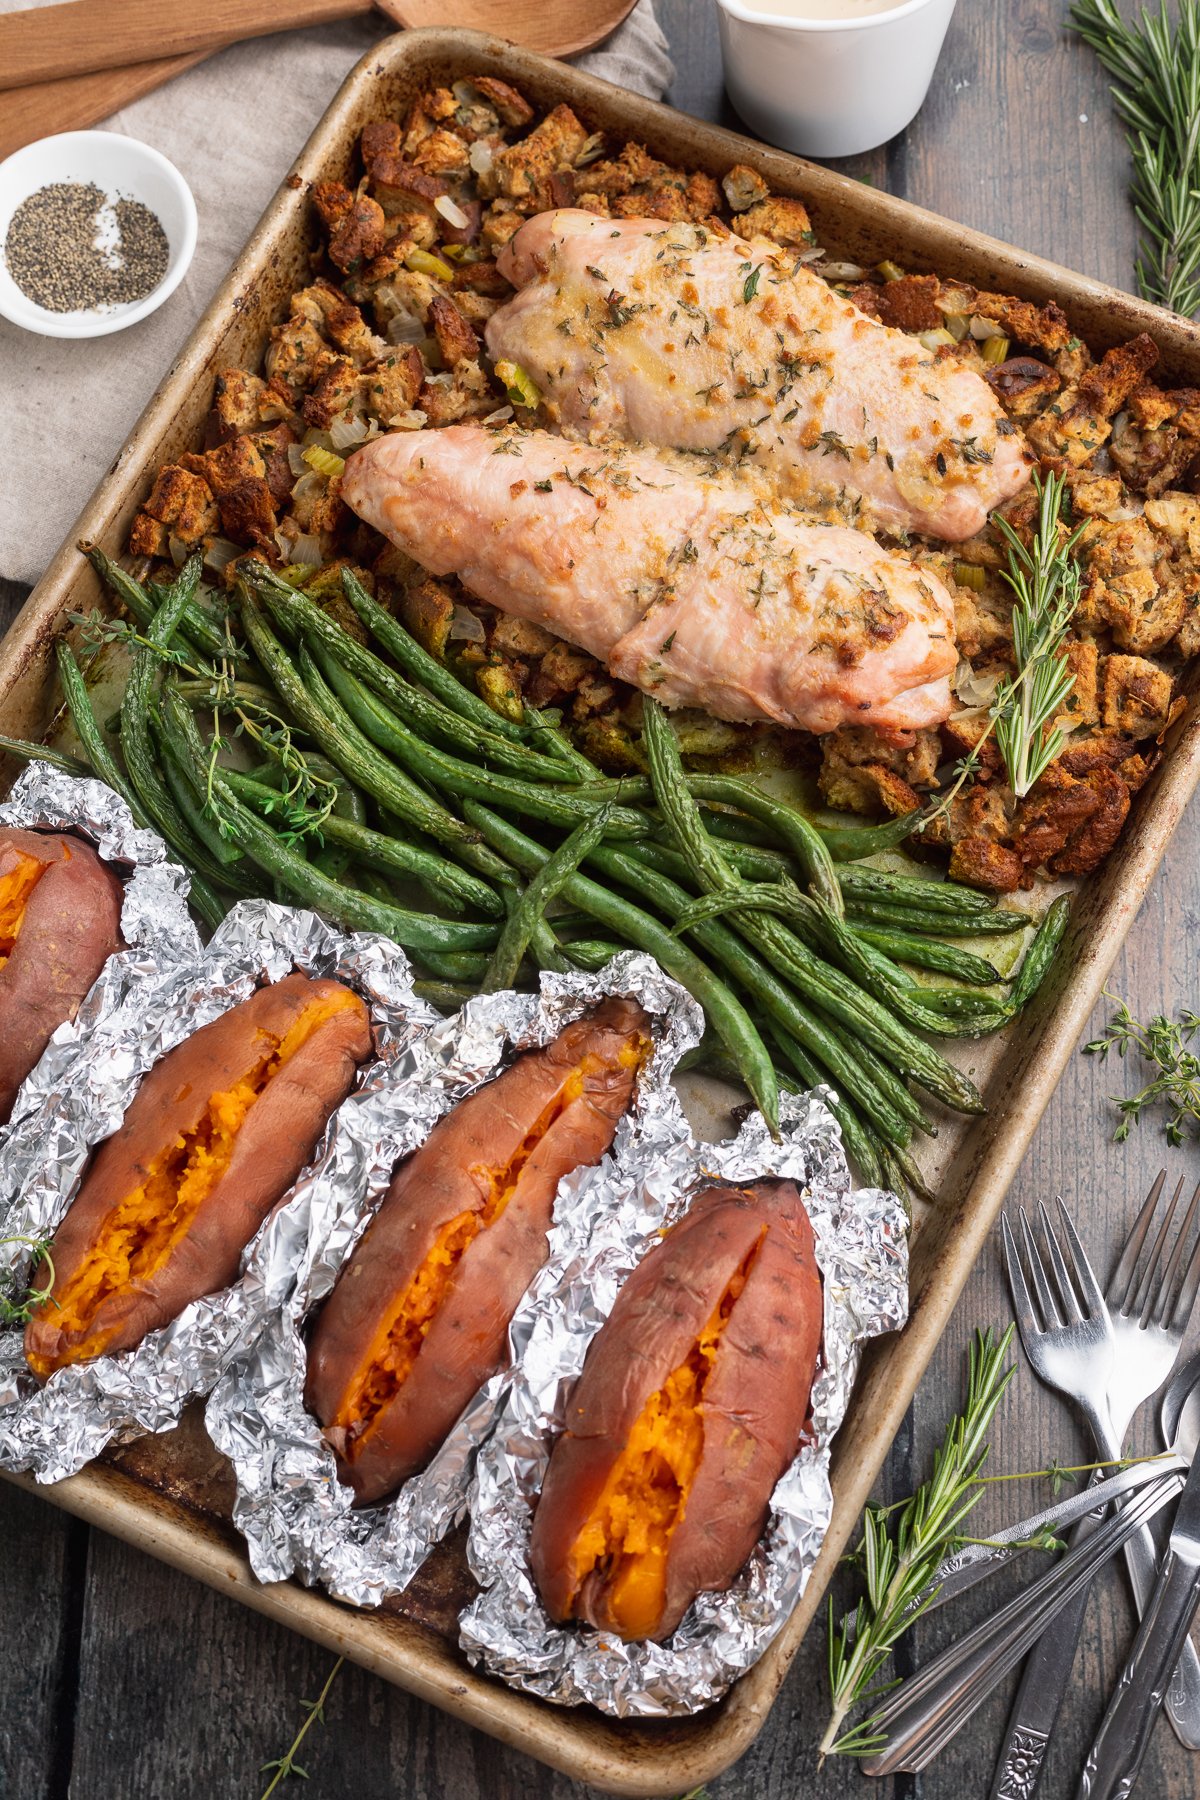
(411, 419)
(982, 329)
(519, 384)
(178, 550)
(308, 485)
(219, 553)
(324, 462)
(346, 432)
(422, 263)
(842, 271)
(481, 155)
(295, 456)
(453, 215)
(498, 417)
(313, 436)
(405, 328)
(307, 549)
(466, 626)
(592, 148)
(975, 690)
(957, 324)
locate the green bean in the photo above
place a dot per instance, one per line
(819, 982)
(423, 668)
(57, 759)
(193, 812)
(468, 966)
(199, 630)
(546, 950)
(229, 696)
(728, 1016)
(851, 843)
(759, 981)
(443, 996)
(566, 806)
(907, 890)
(999, 923)
(354, 755)
(969, 1008)
(530, 907)
(855, 1134)
(802, 839)
(593, 954)
(141, 762)
(928, 953)
(889, 1084)
(418, 710)
(370, 881)
(1041, 952)
(453, 886)
(358, 911)
(204, 898)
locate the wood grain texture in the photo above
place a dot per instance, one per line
(77, 101)
(129, 1680)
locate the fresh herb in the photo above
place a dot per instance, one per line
(833, 445)
(17, 1304)
(750, 285)
(1046, 581)
(1155, 63)
(286, 1764)
(898, 1560)
(1163, 1045)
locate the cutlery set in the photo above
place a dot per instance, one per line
(1109, 1352)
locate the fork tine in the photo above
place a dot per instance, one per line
(1027, 1323)
(1088, 1286)
(1068, 1300)
(1148, 1285)
(1037, 1275)
(1167, 1297)
(1120, 1288)
(1191, 1280)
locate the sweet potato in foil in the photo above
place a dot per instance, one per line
(216, 1134)
(419, 1317)
(692, 1403)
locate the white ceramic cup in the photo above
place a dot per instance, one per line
(830, 87)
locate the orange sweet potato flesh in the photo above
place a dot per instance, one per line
(60, 920)
(419, 1317)
(216, 1134)
(691, 1404)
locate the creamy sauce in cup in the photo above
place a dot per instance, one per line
(823, 9)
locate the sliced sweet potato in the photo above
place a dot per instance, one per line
(216, 1134)
(692, 1402)
(420, 1314)
(60, 921)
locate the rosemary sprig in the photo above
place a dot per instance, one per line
(1163, 1044)
(1156, 68)
(17, 1303)
(286, 1764)
(899, 1559)
(1045, 580)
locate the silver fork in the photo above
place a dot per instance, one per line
(1143, 1327)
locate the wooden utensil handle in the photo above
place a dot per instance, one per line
(77, 101)
(49, 43)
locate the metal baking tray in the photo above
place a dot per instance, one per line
(170, 1495)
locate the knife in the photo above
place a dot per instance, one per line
(1116, 1756)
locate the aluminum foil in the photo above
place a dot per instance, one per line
(296, 1516)
(613, 1216)
(155, 922)
(53, 1430)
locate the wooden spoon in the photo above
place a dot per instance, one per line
(78, 37)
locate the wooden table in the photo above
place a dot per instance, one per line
(122, 1680)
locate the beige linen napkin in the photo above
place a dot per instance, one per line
(232, 126)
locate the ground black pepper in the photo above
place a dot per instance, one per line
(69, 249)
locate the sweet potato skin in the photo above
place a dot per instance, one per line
(72, 925)
(446, 1177)
(754, 1405)
(275, 1140)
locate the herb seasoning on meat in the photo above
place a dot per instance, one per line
(69, 249)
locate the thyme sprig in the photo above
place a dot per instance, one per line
(19, 1300)
(1046, 581)
(1163, 1044)
(1155, 63)
(899, 1557)
(314, 1712)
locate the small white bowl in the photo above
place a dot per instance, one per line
(831, 87)
(124, 169)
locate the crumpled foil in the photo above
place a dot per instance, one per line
(612, 1218)
(155, 922)
(53, 1430)
(296, 1516)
